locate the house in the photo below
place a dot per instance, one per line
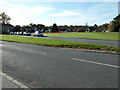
(6, 28)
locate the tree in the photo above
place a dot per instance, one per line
(17, 28)
(31, 24)
(4, 18)
(115, 24)
(95, 25)
(103, 27)
(41, 26)
(55, 28)
(24, 28)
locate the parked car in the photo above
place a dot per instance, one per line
(24, 33)
(38, 34)
(27, 33)
(15, 33)
(20, 33)
(12, 33)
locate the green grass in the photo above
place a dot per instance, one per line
(57, 43)
(90, 35)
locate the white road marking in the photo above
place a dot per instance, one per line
(28, 50)
(114, 66)
(36, 51)
(14, 81)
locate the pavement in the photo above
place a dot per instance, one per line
(49, 67)
(8, 84)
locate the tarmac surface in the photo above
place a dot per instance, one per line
(49, 67)
(94, 41)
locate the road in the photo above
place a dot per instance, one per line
(95, 41)
(50, 67)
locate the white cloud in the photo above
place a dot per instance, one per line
(22, 14)
(66, 13)
(99, 14)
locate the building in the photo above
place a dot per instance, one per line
(6, 28)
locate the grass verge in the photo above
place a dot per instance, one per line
(58, 43)
(89, 35)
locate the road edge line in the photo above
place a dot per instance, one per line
(19, 84)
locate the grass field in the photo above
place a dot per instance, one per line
(57, 43)
(90, 35)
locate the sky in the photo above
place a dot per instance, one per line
(67, 12)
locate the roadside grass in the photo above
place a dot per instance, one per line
(58, 43)
(89, 35)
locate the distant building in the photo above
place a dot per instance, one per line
(6, 28)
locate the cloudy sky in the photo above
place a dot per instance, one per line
(67, 12)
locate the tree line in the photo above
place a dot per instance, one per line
(113, 26)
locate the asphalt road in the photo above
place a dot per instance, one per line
(95, 41)
(49, 67)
